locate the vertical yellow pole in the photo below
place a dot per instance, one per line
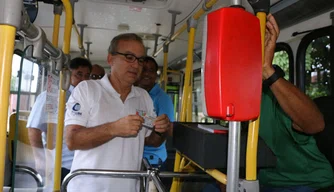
(186, 99)
(55, 37)
(56, 25)
(253, 129)
(62, 94)
(186, 111)
(7, 39)
(176, 181)
(188, 81)
(190, 101)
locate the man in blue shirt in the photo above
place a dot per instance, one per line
(162, 105)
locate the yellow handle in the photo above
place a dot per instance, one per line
(253, 129)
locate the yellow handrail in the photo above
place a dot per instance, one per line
(7, 39)
(80, 45)
(62, 94)
(186, 111)
(219, 176)
(253, 128)
(187, 79)
(56, 25)
(196, 16)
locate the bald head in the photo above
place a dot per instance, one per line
(97, 72)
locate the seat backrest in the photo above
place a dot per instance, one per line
(22, 131)
(325, 139)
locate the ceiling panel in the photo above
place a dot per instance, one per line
(103, 18)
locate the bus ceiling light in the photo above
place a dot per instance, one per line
(123, 27)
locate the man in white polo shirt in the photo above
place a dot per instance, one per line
(102, 124)
(38, 119)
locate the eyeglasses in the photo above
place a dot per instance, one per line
(131, 58)
(93, 76)
(81, 76)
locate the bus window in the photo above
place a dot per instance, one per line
(313, 63)
(284, 58)
(317, 67)
(29, 83)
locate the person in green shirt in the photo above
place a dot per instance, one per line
(288, 120)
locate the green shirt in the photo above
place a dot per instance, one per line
(299, 161)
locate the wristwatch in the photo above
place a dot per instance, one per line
(279, 73)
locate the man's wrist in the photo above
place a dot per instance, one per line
(268, 72)
(278, 73)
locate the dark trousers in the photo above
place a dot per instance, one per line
(64, 172)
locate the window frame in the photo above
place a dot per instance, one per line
(301, 55)
(281, 46)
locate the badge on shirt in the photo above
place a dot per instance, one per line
(76, 109)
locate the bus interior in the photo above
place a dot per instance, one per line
(302, 51)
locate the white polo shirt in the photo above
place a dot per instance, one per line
(96, 102)
(38, 119)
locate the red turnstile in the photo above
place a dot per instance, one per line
(232, 65)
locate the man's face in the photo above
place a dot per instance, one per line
(78, 75)
(97, 72)
(149, 75)
(123, 68)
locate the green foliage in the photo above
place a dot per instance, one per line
(317, 64)
(281, 59)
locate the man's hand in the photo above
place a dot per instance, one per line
(162, 124)
(126, 126)
(272, 32)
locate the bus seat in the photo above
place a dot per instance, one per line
(22, 131)
(25, 174)
(324, 139)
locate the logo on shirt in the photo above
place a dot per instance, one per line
(76, 107)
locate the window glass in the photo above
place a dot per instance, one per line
(29, 75)
(281, 59)
(317, 67)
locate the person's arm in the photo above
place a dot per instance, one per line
(305, 115)
(35, 137)
(163, 126)
(82, 138)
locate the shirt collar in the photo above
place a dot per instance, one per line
(71, 88)
(105, 82)
(155, 90)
